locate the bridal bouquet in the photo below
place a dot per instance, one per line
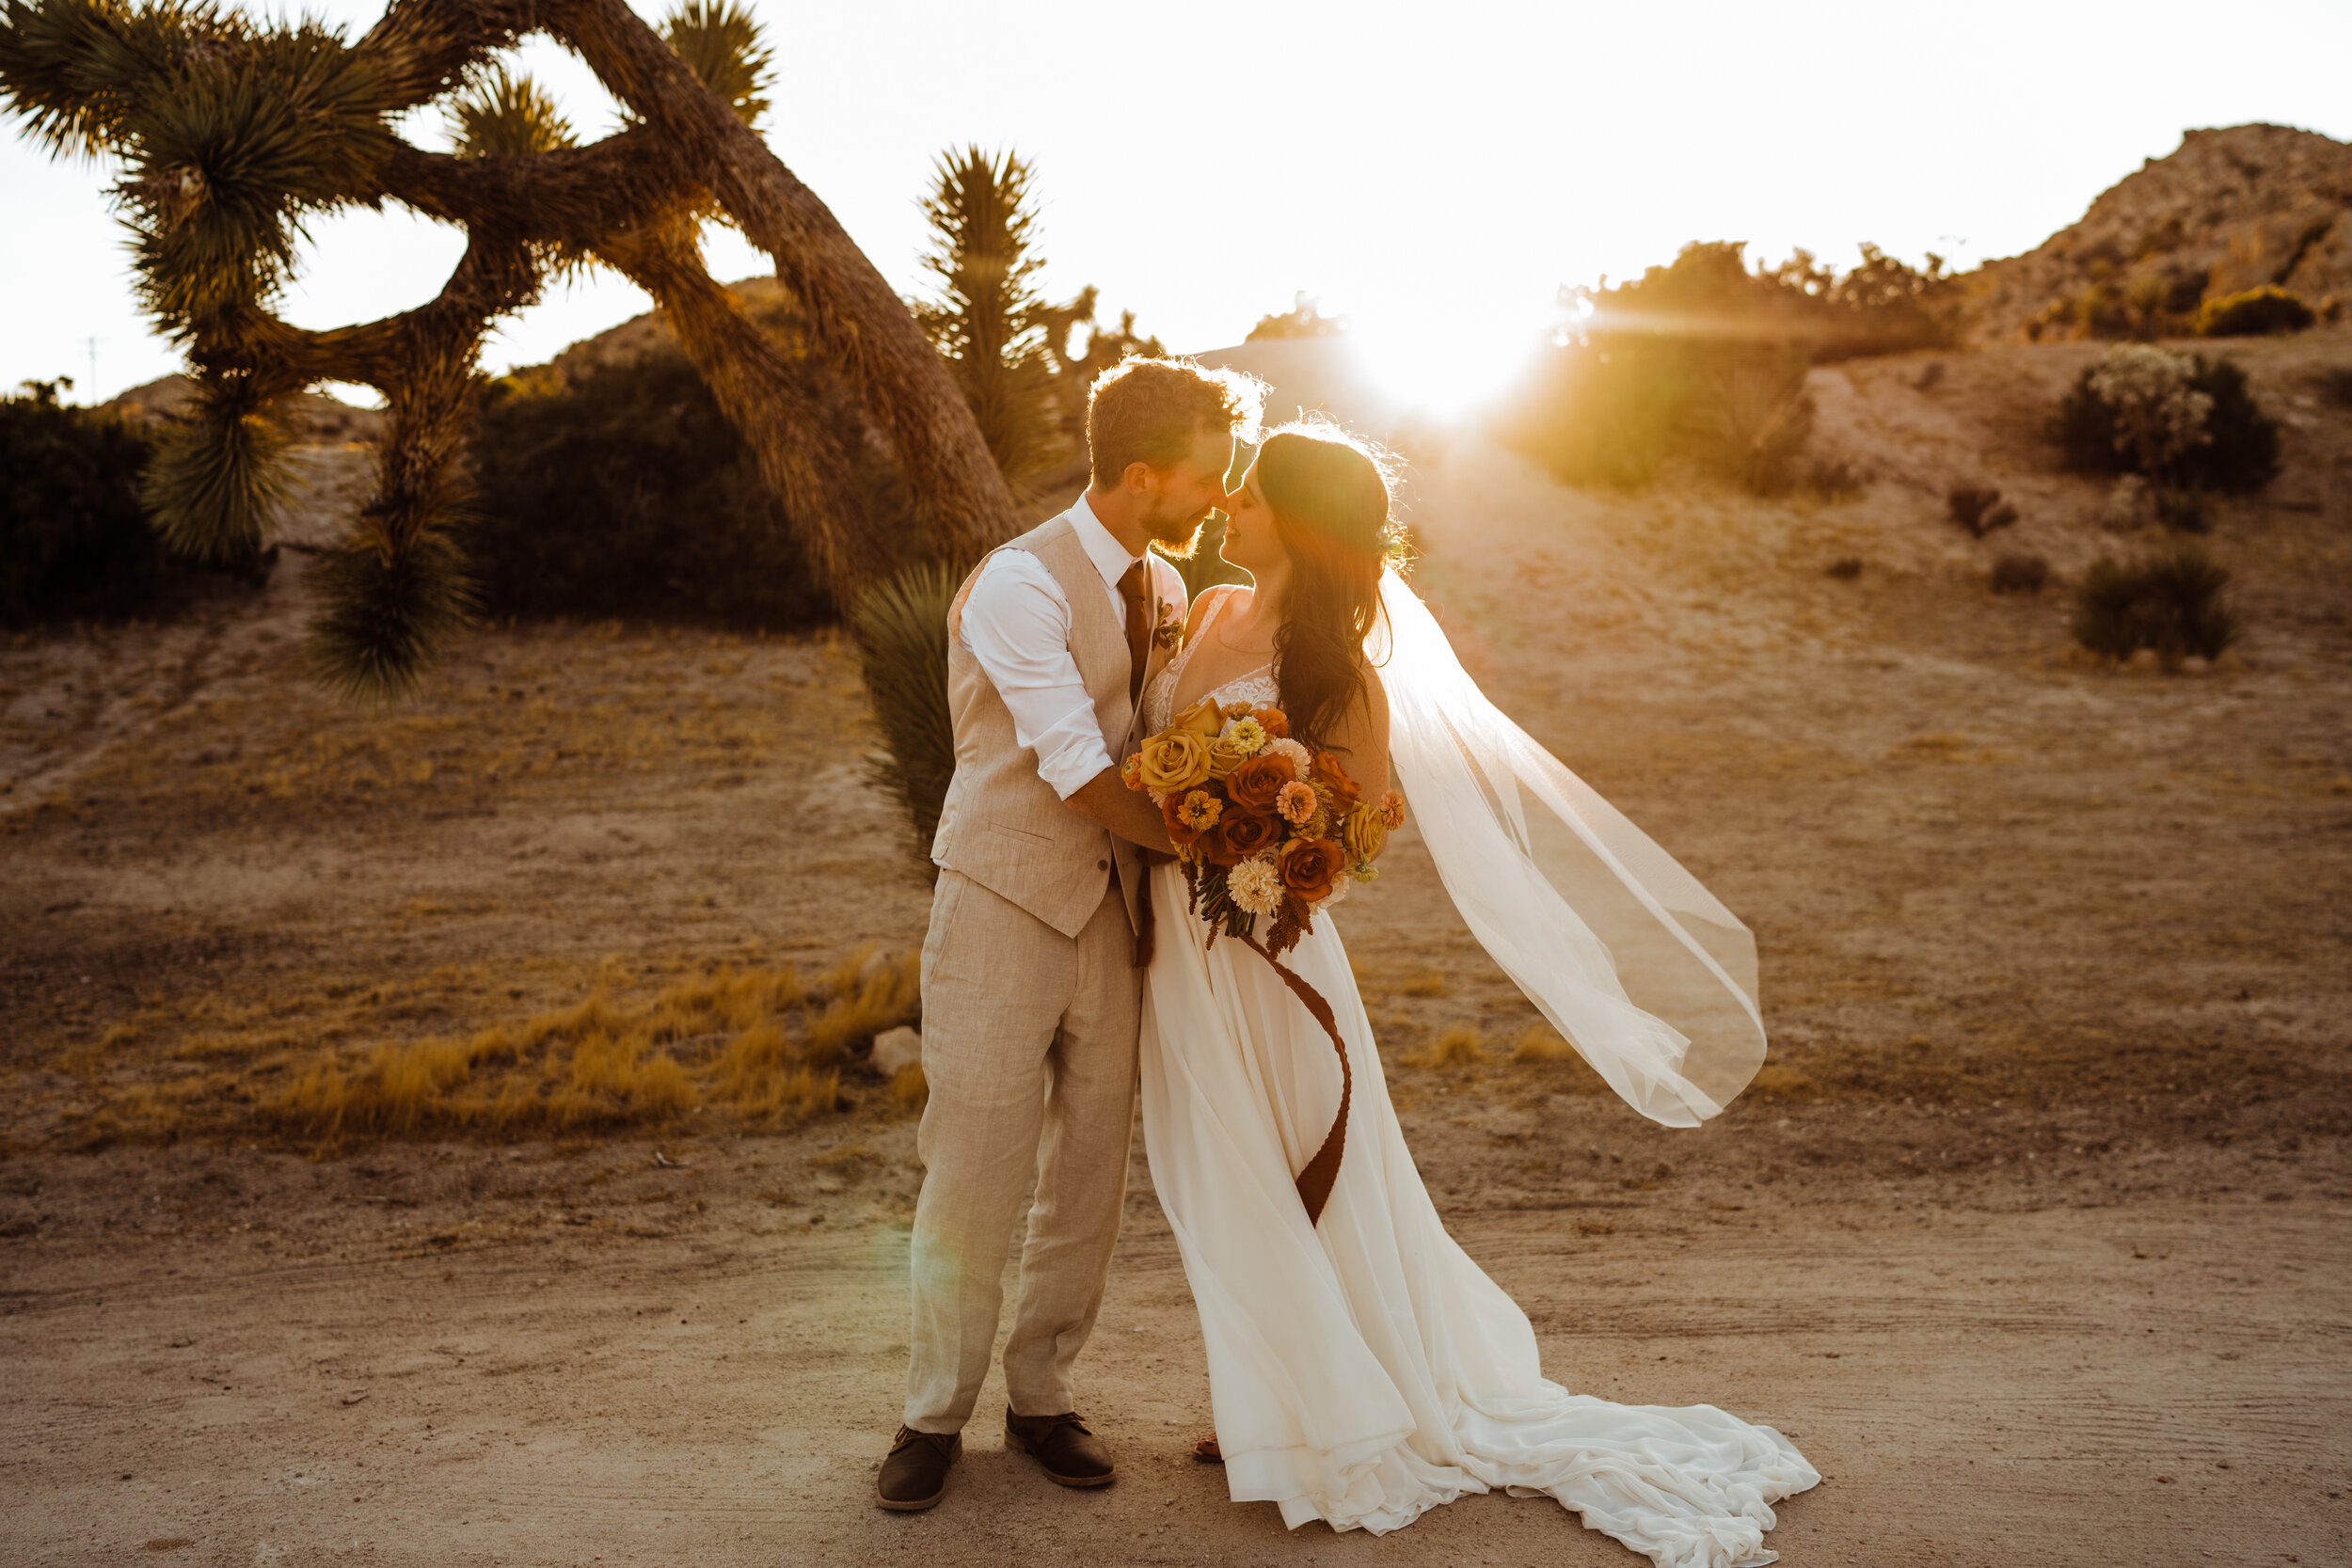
(1261, 826)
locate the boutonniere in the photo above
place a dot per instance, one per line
(1169, 633)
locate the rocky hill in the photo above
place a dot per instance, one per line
(2228, 210)
(312, 416)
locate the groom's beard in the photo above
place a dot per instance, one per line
(1178, 536)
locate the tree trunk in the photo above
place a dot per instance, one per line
(801, 455)
(863, 326)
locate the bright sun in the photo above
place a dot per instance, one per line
(1448, 363)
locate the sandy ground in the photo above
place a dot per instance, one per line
(2032, 1234)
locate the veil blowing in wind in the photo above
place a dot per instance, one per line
(1638, 966)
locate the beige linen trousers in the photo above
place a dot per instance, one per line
(1031, 1005)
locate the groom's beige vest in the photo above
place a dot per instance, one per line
(1002, 825)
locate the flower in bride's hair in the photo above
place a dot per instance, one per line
(1393, 810)
(1258, 783)
(1256, 886)
(1131, 771)
(1224, 757)
(1296, 801)
(1365, 832)
(1310, 866)
(1247, 736)
(1282, 746)
(1203, 719)
(1174, 761)
(1273, 720)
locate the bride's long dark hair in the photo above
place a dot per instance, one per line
(1330, 497)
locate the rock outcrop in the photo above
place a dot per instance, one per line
(2228, 210)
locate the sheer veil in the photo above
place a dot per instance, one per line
(1637, 965)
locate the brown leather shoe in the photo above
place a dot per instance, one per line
(916, 1475)
(1072, 1455)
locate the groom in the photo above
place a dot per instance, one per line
(1032, 992)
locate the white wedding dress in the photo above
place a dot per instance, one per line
(1362, 1370)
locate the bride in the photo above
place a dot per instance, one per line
(1362, 1368)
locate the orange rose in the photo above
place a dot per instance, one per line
(1243, 833)
(1257, 783)
(1344, 792)
(1273, 720)
(1308, 866)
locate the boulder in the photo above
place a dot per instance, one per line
(895, 1048)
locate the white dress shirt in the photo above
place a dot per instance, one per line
(1016, 623)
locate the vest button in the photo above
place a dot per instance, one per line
(1101, 865)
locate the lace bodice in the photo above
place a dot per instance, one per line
(1159, 697)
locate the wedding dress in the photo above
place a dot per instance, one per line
(1362, 1368)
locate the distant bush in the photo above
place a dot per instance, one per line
(626, 492)
(1845, 568)
(1707, 358)
(2335, 385)
(75, 541)
(2176, 420)
(2254, 313)
(1304, 319)
(1979, 509)
(2018, 573)
(901, 632)
(2184, 511)
(2170, 604)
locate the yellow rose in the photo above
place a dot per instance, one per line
(1174, 761)
(1203, 719)
(1365, 833)
(1224, 756)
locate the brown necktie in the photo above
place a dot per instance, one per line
(1139, 628)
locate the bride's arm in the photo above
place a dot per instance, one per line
(1361, 738)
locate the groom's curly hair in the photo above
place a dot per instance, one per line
(1145, 410)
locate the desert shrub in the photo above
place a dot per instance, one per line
(74, 540)
(1845, 568)
(2335, 385)
(2174, 418)
(625, 492)
(2170, 603)
(2253, 313)
(901, 633)
(2016, 572)
(1707, 358)
(1304, 319)
(2184, 511)
(1979, 509)
(1835, 479)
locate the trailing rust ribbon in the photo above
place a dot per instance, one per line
(1315, 1181)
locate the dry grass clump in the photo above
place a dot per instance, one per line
(1539, 1044)
(1458, 1047)
(758, 1043)
(909, 1091)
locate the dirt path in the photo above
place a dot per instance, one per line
(2004, 1375)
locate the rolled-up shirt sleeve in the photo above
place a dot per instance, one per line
(1016, 623)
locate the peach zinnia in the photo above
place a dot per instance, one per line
(1297, 803)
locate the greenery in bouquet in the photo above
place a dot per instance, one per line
(1262, 826)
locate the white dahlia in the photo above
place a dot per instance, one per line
(1256, 886)
(1300, 758)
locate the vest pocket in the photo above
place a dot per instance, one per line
(1022, 835)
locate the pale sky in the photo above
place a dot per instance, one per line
(1433, 171)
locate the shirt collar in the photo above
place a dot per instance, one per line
(1109, 556)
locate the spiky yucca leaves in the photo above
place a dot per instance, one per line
(989, 322)
(504, 115)
(217, 484)
(720, 42)
(901, 630)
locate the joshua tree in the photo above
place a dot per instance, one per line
(231, 135)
